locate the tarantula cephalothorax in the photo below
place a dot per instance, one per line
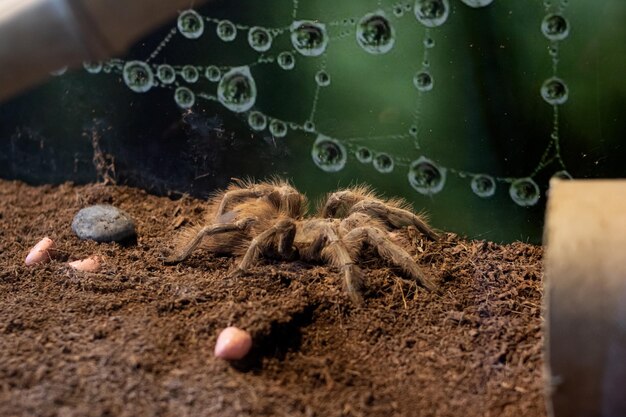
(268, 219)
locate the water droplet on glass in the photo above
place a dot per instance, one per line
(563, 175)
(398, 10)
(483, 185)
(554, 91)
(213, 73)
(92, 67)
(322, 78)
(363, 155)
(553, 50)
(259, 39)
(286, 60)
(524, 192)
(309, 126)
(413, 131)
(383, 163)
(477, 3)
(59, 72)
(375, 34)
(237, 90)
(190, 74)
(309, 38)
(278, 128)
(184, 97)
(257, 121)
(431, 13)
(423, 81)
(429, 42)
(426, 177)
(329, 154)
(166, 73)
(138, 76)
(190, 24)
(555, 27)
(226, 31)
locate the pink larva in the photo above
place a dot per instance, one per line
(233, 344)
(41, 252)
(91, 264)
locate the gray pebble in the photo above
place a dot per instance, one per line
(103, 223)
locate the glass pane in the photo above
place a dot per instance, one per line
(464, 108)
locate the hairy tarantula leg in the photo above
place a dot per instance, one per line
(285, 241)
(353, 279)
(235, 195)
(338, 255)
(397, 217)
(391, 252)
(185, 250)
(284, 230)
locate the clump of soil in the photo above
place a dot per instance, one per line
(136, 338)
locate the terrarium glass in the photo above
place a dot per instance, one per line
(465, 109)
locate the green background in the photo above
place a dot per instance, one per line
(484, 114)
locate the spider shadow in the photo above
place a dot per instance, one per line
(277, 342)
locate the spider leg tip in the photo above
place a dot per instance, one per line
(357, 299)
(170, 258)
(237, 273)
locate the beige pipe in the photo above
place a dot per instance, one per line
(585, 275)
(39, 36)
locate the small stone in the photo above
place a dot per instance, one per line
(103, 223)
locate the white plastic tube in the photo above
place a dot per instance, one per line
(585, 275)
(40, 36)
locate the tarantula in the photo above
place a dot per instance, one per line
(268, 219)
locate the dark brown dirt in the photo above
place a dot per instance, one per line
(136, 339)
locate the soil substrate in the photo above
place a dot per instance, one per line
(137, 338)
